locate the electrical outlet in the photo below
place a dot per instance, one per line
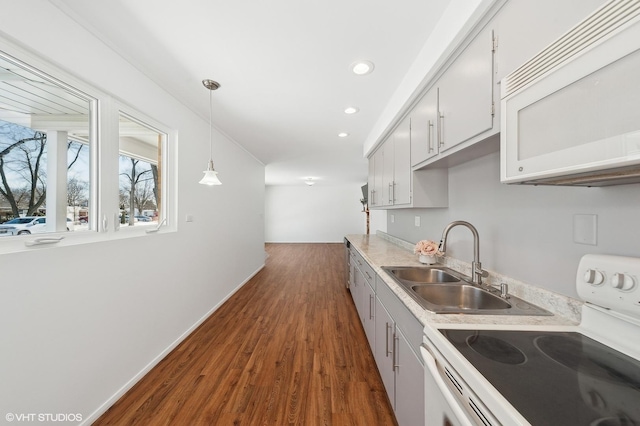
(189, 218)
(393, 218)
(417, 220)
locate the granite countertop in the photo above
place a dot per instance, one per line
(385, 250)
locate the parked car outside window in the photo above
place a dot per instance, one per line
(28, 225)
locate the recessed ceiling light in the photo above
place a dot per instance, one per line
(309, 181)
(351, 110)
(362, 67)
(343, 135)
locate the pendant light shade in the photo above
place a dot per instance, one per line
(210, 175)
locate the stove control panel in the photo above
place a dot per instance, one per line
(612, 282)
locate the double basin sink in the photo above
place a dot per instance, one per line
(443, 290)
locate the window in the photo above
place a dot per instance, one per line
(60, 171)
(140, 166)
(44, 152)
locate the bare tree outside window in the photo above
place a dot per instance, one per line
(77, 195)
(23, 177)
(137, 188)
(140, 171)
(23, 182)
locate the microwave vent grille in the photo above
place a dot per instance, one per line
(607, 177)
(595, 27)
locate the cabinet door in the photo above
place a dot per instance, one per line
(379, 195)
(409, 378)
(357, 291)
(383, 352)
(465, 94)
(401, 185)
(423, 128)
(369, 302)
(371, 181)
(387, 171)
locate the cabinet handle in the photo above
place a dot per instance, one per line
(387, 339)
(372, 196)
(395, 353)
(367, 274)
(441, 130)
(390, 190)
(394, 191)
(370, 306)
(430, 136)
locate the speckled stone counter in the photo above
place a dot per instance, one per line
(385, 250)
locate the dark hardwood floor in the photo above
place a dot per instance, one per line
(287, 348)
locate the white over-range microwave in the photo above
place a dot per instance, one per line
(571, 114)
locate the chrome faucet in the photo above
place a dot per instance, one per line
(476, 267)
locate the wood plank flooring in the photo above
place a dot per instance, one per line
(287, 348)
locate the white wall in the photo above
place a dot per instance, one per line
(78, 323)
(313, 213)
(378, 221)
(526, 232)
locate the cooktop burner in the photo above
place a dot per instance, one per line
(597, 361)
(559, 378)
(496, 349)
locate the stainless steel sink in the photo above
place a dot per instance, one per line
(423, 275)
(444, 291)
(463, 296)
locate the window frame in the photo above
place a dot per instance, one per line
(105, 110)
(167, 218)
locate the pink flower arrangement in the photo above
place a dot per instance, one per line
(427, 248)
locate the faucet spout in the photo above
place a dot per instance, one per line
(476, 267)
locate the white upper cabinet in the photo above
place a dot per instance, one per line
(465, 94)
(457, 117)
(371, 182)
(423, 128)
(401, 189)
(376, 170)
(458, 110)
(388, 159)
(396, 185)
(392, 169)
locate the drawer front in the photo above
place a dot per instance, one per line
(366, 270)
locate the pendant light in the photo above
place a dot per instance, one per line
(210, 175)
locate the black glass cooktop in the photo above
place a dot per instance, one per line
(556, 378)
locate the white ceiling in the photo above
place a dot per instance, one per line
(283, 66)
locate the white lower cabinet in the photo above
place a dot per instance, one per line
(409, 390)
(383, 350)
(395, 336)
(363, 295)
(401, 370)
(369, 308)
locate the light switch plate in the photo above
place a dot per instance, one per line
(189, 218)
(393, 218)
(417, 220)
(585, 229)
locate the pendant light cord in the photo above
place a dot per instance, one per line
(210, 125)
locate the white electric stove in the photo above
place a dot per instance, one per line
(587, 374)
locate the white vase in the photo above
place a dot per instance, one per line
(427, 259)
